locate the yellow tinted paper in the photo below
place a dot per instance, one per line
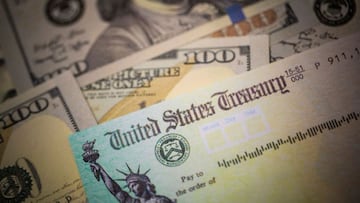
(284, 133)
(36, 164)
(54, 172)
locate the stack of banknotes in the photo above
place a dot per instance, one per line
(179, 101)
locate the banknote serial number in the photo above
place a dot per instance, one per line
(337, 58)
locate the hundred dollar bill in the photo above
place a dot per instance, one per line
(174, 73)
(288, 131)
(36, 164)
(46, 37)
(335, 19)
(297, 25)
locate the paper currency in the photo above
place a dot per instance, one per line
(36, 163)
(297, 25)
(336, 19)
(82, 35)
(285, 18)
(174, 73)
(287, 131)
(6, 85)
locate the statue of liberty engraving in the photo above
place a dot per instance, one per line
(138, 183)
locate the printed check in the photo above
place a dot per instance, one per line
(36, 164)
(288, 131)
(174, 73)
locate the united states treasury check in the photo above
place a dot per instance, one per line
(287, 132)
(36, 164)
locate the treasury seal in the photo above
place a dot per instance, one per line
(64, 12)
(15, 184)
(172, 150)
(334, 12)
